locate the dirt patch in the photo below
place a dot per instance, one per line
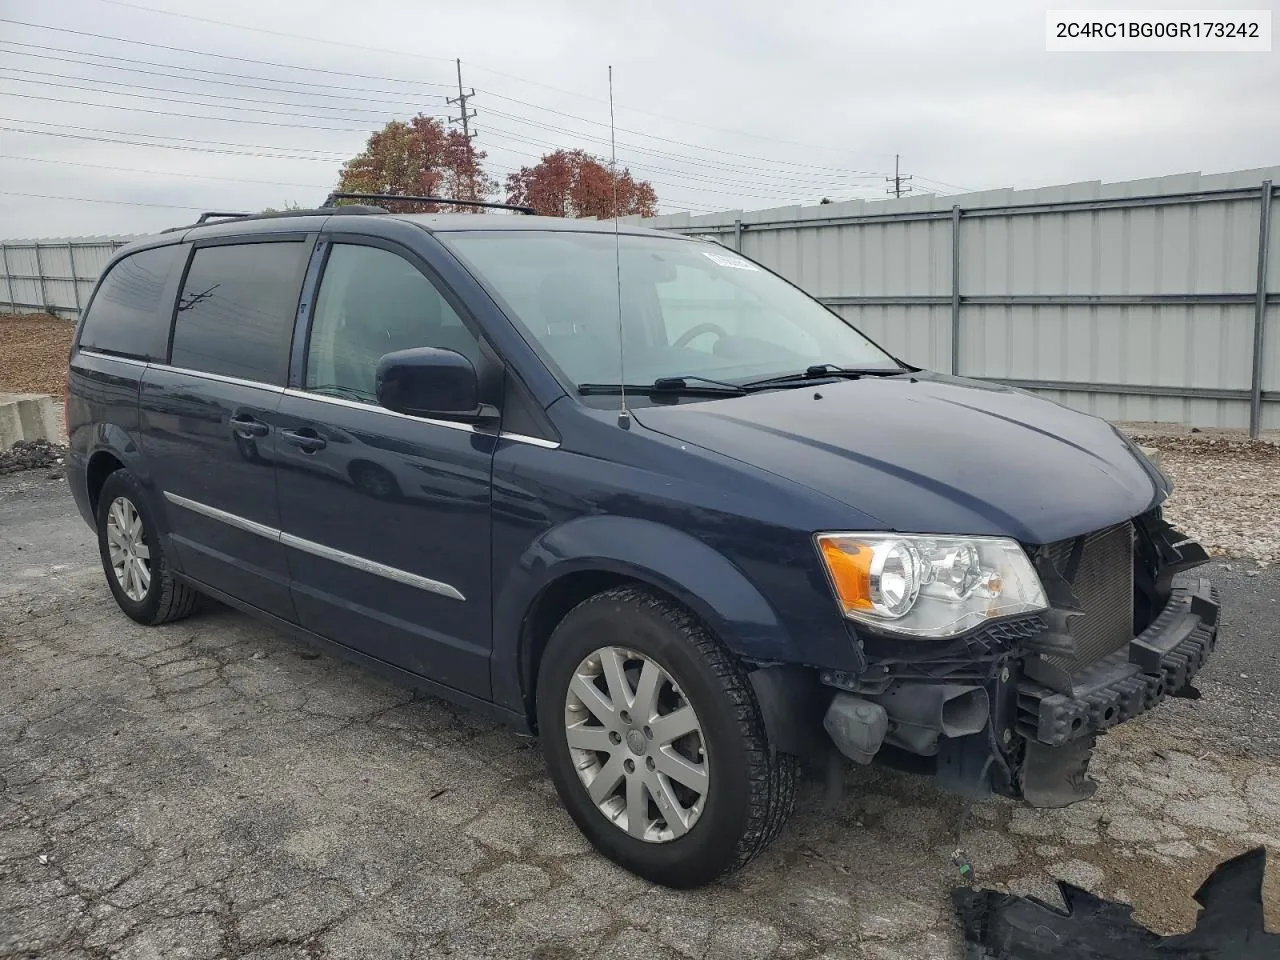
(33, 353)
(34, 455)
(1226, 492)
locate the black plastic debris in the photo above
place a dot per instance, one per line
(1000, 926)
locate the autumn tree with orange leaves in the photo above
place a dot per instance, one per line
(572, 183)
(418, 158)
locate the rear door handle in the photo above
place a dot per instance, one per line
(248, 427)
(307, 439)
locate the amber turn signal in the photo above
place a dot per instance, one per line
(849, 564)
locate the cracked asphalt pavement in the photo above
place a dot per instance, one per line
(212, 788)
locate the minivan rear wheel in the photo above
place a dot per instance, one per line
(655, 742)
(134, 557)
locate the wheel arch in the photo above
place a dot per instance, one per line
(113, 448)
(100, 465)
(587, 555)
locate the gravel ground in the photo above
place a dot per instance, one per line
(1226, 492)
(215, 789)
(34, 455)
(33, 353)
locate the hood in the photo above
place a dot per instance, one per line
(929, 453)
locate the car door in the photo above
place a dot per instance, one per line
(207, 426)
(386, 517)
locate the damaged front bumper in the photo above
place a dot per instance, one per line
(1004, 713)
(1058, 726)
(1158, 662)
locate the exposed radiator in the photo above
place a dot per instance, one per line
(1103, 583)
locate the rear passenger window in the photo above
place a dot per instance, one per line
(129, 315)
(374, 302)
(235, 314)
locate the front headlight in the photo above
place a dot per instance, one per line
(929, 586)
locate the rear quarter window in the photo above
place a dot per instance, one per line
(236, 311)
(129, 315)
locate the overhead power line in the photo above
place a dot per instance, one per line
(402, 104)
(288, 66)
(151, 174)
(151, 97)
(223, 56)
(323, 89)
(752, 193)
(189, 116)
(796, 181)
(62, 134)
(755, 176)
(419, 56)
(667, 155)
(123, 203)
(943, 183)
(332, 154)
(683, 143)
(191, 93)
(288, 35)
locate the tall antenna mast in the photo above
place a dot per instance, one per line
(624, 415)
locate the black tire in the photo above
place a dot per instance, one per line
(751, 790)
(166, 598)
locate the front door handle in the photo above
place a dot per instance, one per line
(248, 427)
(307, 439)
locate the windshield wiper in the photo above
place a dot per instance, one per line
(825, 371)
(686, 385)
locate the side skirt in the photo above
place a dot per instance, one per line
(404, 678)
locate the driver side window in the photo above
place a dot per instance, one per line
(695, 299)
(372, 302)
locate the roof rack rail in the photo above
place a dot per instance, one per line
(331, 201)
(215, 215)
(350, 209)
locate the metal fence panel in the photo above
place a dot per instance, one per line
(1134, 301)
(56, 274)
(1271, 352)
(919, 335)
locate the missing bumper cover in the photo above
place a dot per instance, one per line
(911, 716)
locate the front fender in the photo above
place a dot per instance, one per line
(666, 558)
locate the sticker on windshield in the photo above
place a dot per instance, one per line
(729, 261)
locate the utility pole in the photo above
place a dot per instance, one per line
(898, 180)
(461, 100)
(465, 119)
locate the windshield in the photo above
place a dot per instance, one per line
(689, 308)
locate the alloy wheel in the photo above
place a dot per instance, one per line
(637, 744)
(128, 550)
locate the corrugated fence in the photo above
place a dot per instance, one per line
(1149, 300)
(53, 275)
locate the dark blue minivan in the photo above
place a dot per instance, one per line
(635, 493)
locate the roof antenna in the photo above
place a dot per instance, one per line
(624, 415)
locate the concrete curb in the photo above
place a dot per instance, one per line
(27, 416)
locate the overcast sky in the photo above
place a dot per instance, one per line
(757, 104)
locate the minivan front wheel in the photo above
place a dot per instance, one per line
(134, 557)
(655, 742)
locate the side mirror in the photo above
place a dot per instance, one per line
(430, 382)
